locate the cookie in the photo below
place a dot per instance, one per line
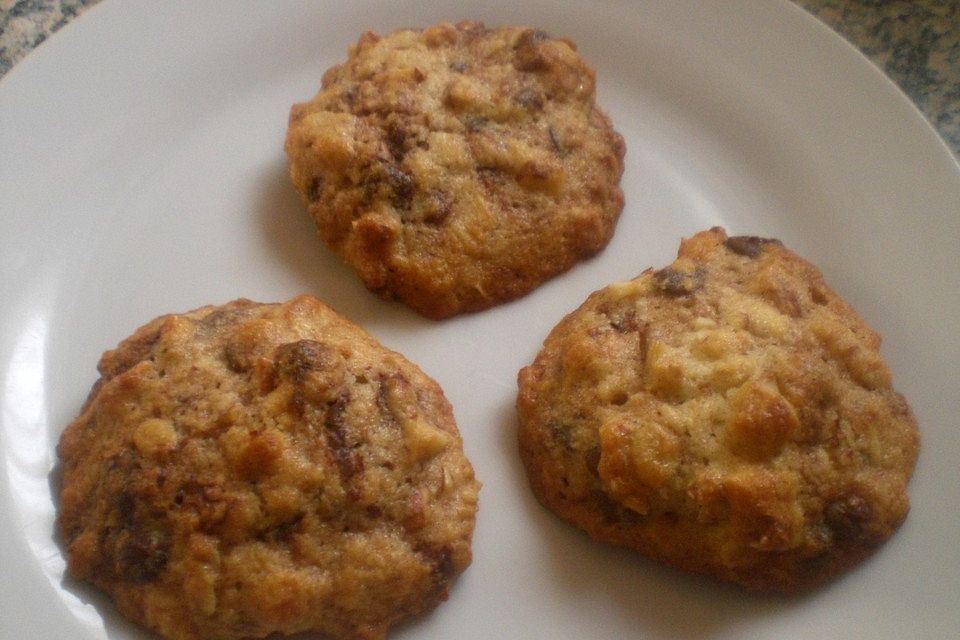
(246, 469)
(458, 167)
(728, 414)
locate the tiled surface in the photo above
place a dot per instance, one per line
(24, 24)
(916, 42)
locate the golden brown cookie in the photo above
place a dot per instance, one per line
(728, 414)
(457, 167)
(255, 468)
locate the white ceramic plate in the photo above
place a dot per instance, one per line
(142, 172)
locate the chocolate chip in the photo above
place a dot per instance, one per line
(678, 283)
(443, 565)
(237, 357)
(527, 52)
(670, 517)
(561, 434)
(296, 360)
(142, 555)
(134, 351)
(208, 501)
(629, 516)
(442, 568)
(532, 36)
(749, 246)
(609, 508)
(529, 98)
(335, 434)
(612, 511)
(396, 141)
(125, 504)
(439, 204)
(220, 318)
(554, 139)
(383, 404)
(625, 323)
(282, 531)
(316, 371)
(401, 183)
(592, 459)
(848, 517)
(474, 123)
(314, 189)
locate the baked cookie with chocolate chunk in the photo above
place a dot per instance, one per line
(457, 167)
(247, 469)
(728, 414)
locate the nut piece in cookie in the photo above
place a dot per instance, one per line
(728, 414)
(253, 468)
(457, 167)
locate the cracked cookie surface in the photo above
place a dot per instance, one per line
(245, 469)
(728, 414)
(457, 167)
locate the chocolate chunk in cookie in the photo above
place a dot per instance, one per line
(728, 414)
(458, 167)
(257, 468)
